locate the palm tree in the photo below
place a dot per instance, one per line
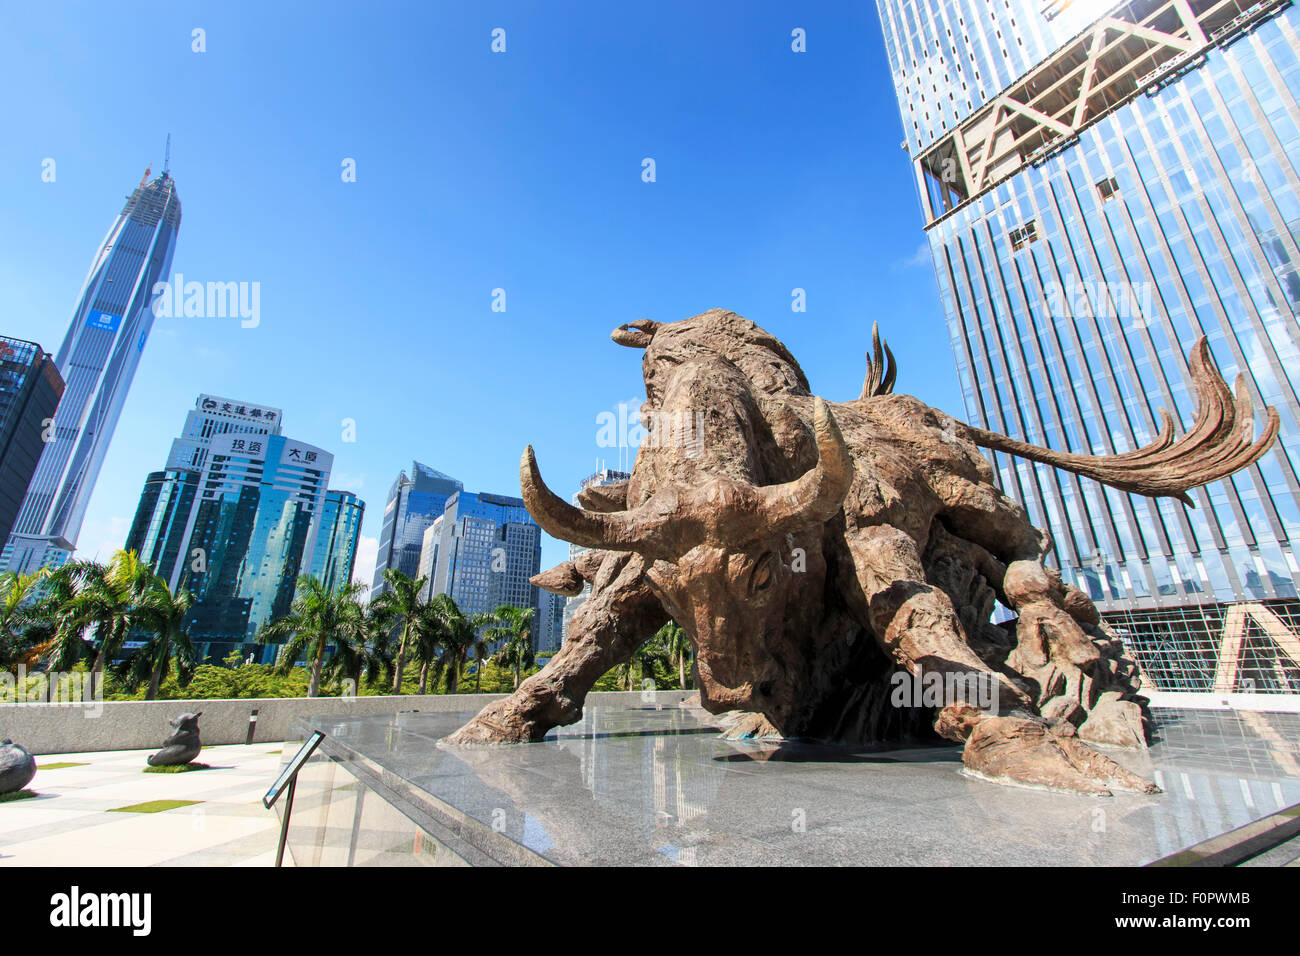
(672, 637)
(458, 635)
(515, 630)
(163, 612)
(318, 617)
(365, 658)
(403, 601)
(481, 648)
(422, 647)
(18, 596)
(106, 596)
(649, 654)
(59, 636)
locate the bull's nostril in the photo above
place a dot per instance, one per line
(765, 688)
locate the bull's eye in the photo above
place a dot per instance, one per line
(761, 579)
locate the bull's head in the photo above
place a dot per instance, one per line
(733, 562)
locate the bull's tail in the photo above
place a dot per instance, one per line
(1218, 444)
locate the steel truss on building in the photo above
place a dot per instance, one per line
(1252, 647)
(1138, 47)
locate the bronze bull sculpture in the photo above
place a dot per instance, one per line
(814, 551)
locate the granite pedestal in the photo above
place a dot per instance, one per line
(649, 782)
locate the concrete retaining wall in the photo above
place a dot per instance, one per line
(142, 725)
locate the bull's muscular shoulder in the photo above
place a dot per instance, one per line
(889, 424)
(907, 456)
(935, 433)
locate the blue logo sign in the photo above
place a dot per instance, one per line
(103, 320)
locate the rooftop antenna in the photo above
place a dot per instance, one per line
(167, 156)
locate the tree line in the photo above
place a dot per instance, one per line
(85, 613)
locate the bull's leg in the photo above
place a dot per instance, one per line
(620, 616)
(1080, 669)
(917, 624)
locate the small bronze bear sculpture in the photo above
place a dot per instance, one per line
(17, 767)
(182, 746)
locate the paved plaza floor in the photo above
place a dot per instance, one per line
(641, 784)
(82, 817)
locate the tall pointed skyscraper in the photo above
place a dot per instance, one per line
(97, 360)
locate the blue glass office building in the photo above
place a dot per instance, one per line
(488, 549)
(550, 621)
(237, 515)
(97, 360)
(158, 531)
(335, 553)
(414, 503)
(1101, 185)
(252, 530)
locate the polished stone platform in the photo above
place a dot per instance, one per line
(649, 782)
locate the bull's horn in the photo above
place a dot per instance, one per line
(620, 531)
(819, 493)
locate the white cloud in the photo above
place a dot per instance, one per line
(101, 537)
(367, 554)
(921, 257)
(346, 481)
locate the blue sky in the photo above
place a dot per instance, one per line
(475, 170)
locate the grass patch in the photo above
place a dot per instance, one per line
(155, 806)
(17, 795)
(60, 766)
(178, 768)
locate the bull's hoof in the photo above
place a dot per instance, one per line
(1115, 722)
(1029, 753)
(493, 725)
(747, 726)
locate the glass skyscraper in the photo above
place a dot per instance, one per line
(251, 531)
(30, 388)
(429, 556)
(413, 504)
(162, 517)
(489, 548)
(160, 530)
(550, 621)
(97, 360)
(335, 553)
(213, 415)
(1102, 184)
(237, 515)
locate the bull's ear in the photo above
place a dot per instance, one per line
(561, 579)
(635, 335)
